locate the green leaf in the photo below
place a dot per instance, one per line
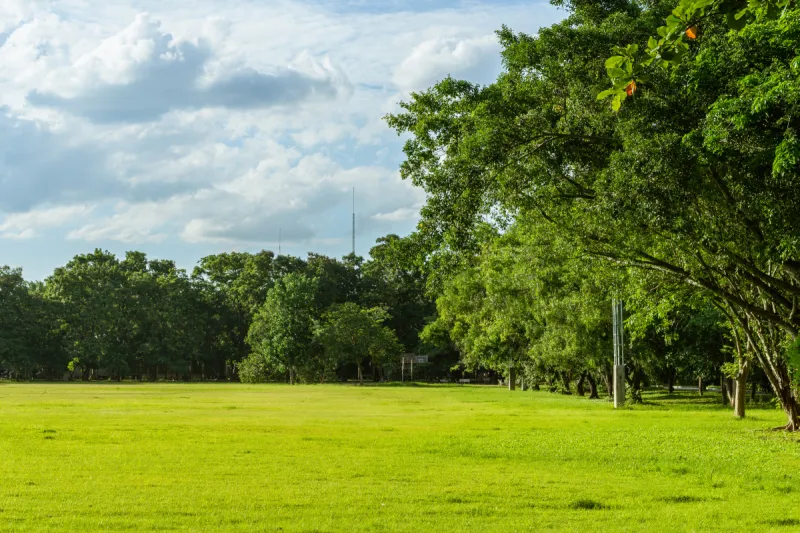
(617, 73)
(662, 31)
(734, 23)
(614, 61)
(773, 11)
(616, 103)
(605, 94)
(673, 22)
(652, 43)
(620, 84)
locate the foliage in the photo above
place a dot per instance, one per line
(100, 316)
(628, 69)
(349, 333)
(693, 181)
(282, 333)
(29, 341)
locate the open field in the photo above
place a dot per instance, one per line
(200, 457)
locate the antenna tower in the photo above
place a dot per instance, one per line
(354, 221)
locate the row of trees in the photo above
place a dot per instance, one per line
(264, 314)
(680, 198)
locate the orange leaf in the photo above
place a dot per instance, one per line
(630, 88)
(691, 33)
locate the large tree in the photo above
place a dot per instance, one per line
(695, 179)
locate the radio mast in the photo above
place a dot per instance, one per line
(354, 221)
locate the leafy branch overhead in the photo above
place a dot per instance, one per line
(628, 67)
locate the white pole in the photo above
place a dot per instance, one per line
(619, 361)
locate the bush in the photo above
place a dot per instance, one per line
(254, 369)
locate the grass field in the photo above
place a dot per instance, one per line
(200, 457)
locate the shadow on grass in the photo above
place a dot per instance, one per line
(782, 522)
(659, 399)
(683, 499)
(587, 505)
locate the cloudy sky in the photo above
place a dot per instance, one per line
(189, 128)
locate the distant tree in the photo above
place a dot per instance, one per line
(282, 332)
(96, 318)
(338, 281)
(394, 279)
(350, 333)
(29, 341)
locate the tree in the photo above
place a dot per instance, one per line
(96, 318)
(695, 179)
(242, 281)
(350, 333)
(393, 279)
(282, 332)
(28, 331)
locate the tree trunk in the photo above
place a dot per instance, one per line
(608, 381)
(765, 341)
(723, 388)
(700, 385)
(740, 394)
(360, 375)
(636, 385)
(755, 390)
(671, 381)
(782, 386)
(566, 383)
(581, 391)
(592, 387)
(512, 377)
(291, 376)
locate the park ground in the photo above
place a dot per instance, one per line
(231, 457)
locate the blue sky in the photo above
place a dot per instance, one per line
(184, 129)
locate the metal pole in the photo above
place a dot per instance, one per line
(354, 224)
(619, 359)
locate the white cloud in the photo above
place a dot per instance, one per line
(399, 215)
(475, 59)
(141, 73)
(27, 225)
(298, 199)
(132, 224)
(206, 124)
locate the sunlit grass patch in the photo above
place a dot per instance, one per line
(230, 457)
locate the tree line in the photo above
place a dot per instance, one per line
(255, 317)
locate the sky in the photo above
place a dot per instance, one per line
(184, 129)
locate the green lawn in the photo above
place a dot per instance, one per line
(200, 457)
